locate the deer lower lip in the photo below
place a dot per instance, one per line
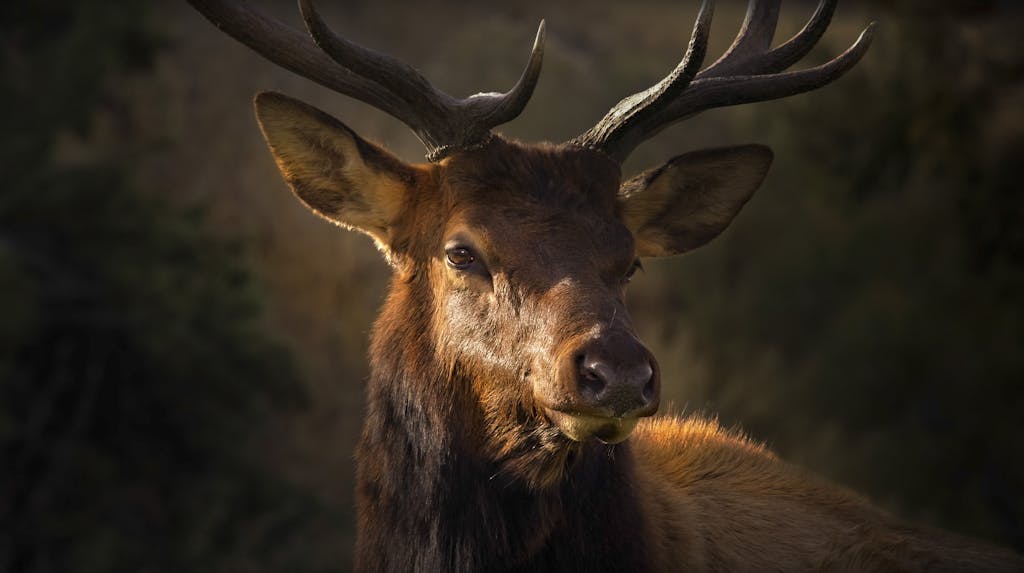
(580, 427)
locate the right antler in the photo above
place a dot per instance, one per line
(442, 123)
(749, 71)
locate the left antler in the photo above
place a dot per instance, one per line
(443, 123)
(749, 71)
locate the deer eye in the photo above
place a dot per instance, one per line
(460, 258)
(632, 271)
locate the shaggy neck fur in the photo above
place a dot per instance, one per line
(427, 495)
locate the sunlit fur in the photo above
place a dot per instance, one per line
(460, 469)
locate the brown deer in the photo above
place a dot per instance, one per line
(503, 430)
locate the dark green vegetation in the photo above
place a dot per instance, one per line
(864, 315)
(135, 378)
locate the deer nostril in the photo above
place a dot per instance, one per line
(591, 381)
(648, 391)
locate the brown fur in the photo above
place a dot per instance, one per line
(722, 503)
(463, 465)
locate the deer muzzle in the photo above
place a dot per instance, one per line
(602, 387)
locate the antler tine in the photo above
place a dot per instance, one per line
(443, 123)
(391, 73)
(510, 104)
(735, 90)
(636, 108)
(296, 52)
(381, 68)
(712, 92)
(800, 44)
(755, 35)
(748, 72)
(788, 53)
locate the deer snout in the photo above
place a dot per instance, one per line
(603, 386)
(616, 377)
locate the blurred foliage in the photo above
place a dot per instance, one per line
(866, 315)
(135, 380)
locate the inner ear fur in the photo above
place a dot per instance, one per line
(692, 198)
(332, 170)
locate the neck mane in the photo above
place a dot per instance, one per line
(430, 499)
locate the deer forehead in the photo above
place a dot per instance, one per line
(519, 203)
(561, 176)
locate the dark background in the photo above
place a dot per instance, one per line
(182, 344)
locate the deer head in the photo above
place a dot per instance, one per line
(511, 259)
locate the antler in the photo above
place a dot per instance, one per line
(749, 71)
(442, 123)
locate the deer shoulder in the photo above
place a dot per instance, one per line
(718, 501)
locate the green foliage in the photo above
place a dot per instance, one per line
(878, 333)
(135, 380)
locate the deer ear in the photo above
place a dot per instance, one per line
(336, 173)
(692, 198)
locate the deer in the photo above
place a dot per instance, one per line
(509, 422)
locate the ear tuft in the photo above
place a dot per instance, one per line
(692, 198)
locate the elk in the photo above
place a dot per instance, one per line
(508, 407)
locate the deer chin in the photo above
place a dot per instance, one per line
(582, 427)
(540, 456)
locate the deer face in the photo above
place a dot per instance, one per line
(524, 253)
(530, 271)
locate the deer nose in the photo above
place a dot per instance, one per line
(617, 376)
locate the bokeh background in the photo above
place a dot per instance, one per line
(182, 345)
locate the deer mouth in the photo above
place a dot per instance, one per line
(582, 427)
